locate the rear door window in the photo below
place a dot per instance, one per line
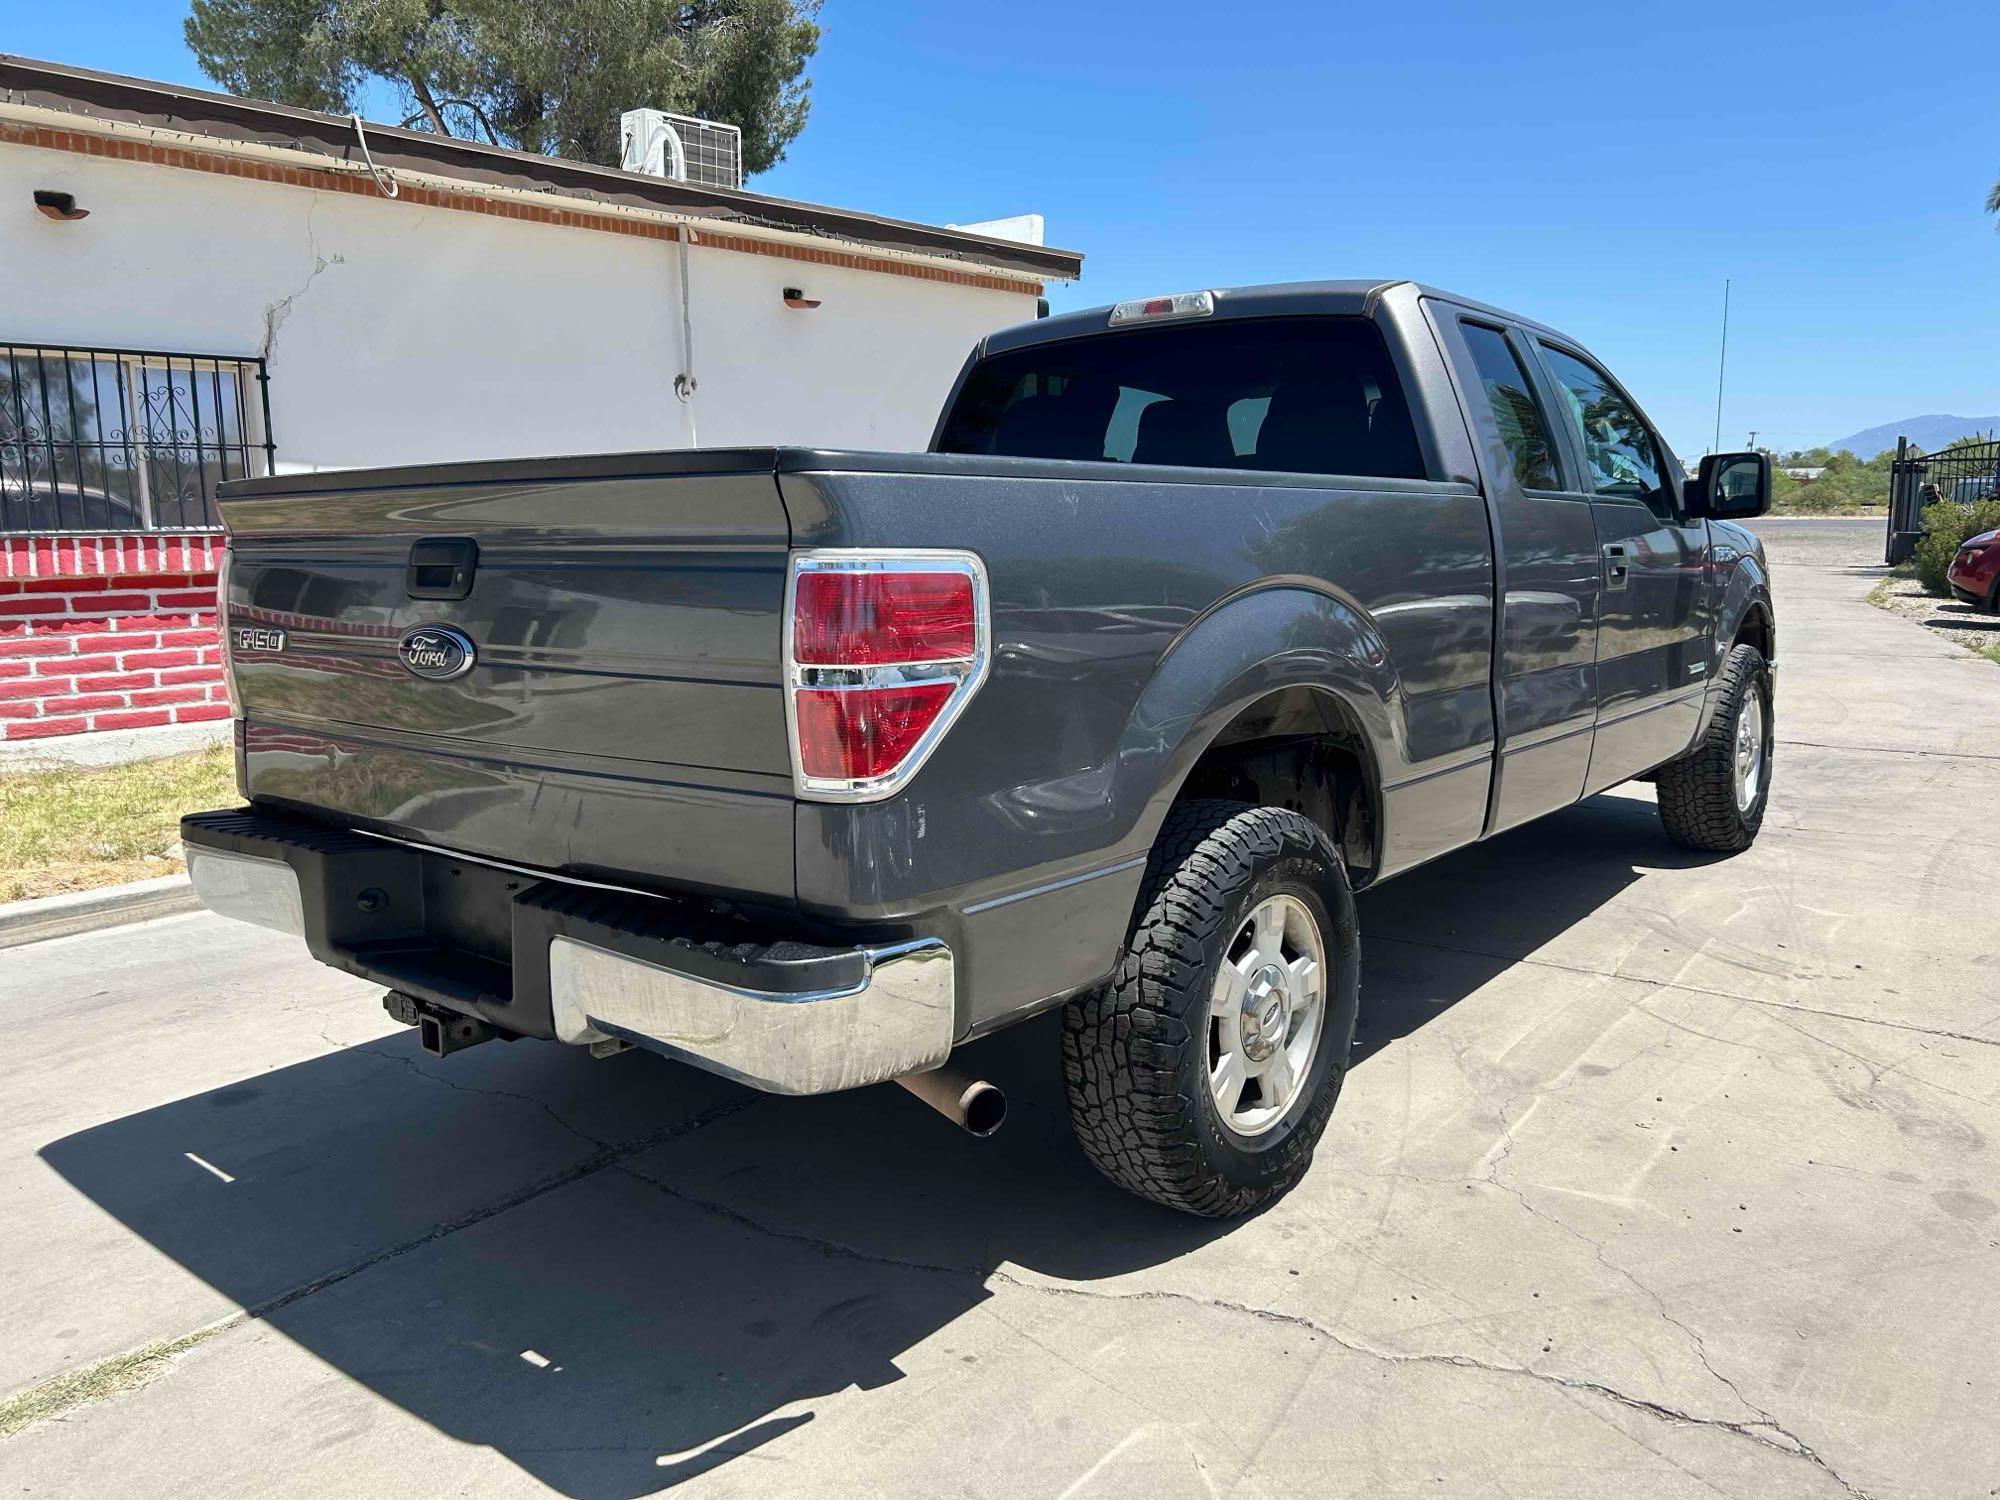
(1297, 395)
(1623, 457)
(1516, 412)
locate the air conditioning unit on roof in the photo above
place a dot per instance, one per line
(681, 147)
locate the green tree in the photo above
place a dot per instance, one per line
(541, 77)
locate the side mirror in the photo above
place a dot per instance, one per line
(1731, 486)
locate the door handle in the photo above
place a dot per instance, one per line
(1615, 565)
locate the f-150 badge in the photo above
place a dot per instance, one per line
(268, 638)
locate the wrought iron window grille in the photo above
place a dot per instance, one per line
(125, 440)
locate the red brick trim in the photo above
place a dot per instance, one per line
(110, 555)
(111, 632)
(422, 195)
(851, 262)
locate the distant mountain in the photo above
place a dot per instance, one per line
(1928, 433)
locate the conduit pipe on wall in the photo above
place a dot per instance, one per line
(385, 184)
(684, 383)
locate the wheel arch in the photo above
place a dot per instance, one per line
(1288, 692)
(1758, 628)
(1743, 616)
(1300, 747)
(1744, 613)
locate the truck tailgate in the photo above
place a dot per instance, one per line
(622, 717)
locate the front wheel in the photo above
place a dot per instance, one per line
(1202, 1076)
(1714, 796)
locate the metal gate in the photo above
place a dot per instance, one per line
(1966, 474)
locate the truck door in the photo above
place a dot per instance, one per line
(1545, 664)
(1652, 658)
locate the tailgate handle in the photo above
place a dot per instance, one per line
(442, 567)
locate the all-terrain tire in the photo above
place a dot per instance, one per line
(1136, 1052)
(1698, 793)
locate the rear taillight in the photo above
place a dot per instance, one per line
(882, 652)
(862, 617)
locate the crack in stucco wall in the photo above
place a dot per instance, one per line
(276, 313)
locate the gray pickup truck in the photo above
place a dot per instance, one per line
(1202, 613)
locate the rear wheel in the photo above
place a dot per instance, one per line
(1202, 1076)
(1714, 796)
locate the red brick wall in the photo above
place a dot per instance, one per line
(111, 632)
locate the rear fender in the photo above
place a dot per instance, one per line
(1244, 650)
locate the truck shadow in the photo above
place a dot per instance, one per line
(623, 1274)
(1435, 935)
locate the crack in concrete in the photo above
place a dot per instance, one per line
(1765, 1430)
(1696, 1342)
(606, 1157)
(832, 1249)
(1893, 750)
(1692, 989)
(1519, 1194)
(465, 1088)
(420, 1071)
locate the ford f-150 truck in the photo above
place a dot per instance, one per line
(1201, 613)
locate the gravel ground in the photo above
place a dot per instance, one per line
(1958, 623)
(1845, 546)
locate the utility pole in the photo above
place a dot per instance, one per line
(1753, 439)
(1721, 365)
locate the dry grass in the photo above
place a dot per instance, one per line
(70, 829)
(94, 1382)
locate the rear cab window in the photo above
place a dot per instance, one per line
(1312, 395)
(1510, 394)
(1620, 451)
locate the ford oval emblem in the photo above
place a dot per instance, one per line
(438, 652)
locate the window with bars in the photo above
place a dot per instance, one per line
(97, 440)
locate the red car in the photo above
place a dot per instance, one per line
(1974, 574)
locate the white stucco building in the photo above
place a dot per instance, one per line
(194, 286)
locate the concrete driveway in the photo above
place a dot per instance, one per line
(1657, 1176)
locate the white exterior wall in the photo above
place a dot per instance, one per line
(403, 334)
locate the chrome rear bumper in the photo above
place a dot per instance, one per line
(896, 1018)
(788, 1018)
(262, 892)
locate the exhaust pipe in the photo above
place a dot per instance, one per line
(972, 1104)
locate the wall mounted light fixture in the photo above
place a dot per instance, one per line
(60, 206)
(796, 297)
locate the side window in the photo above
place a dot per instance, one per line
(1511, 396)
(1620, 451)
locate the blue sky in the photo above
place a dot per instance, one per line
(1600, 166)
